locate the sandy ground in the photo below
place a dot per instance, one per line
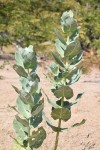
(85, 137)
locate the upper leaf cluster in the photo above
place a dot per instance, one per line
(65, 71)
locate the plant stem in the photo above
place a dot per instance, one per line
(59, 125)
(28, 133)
(28, 71)
(29, 123)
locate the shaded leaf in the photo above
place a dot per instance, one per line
(16, 89)
(60, 37)
(33, 76)
(56, 129)
(37, 97)
(77, 99)
(20, 71)
(50, 124)
(26, 98)
(66, 104)
(38, 108)
(24, 122)
(37, 138)
(36, 120)
(64, 91)
(33, 86)
(61, 113)
(13, 107)
(76, 60)
(54, 105)
(78, 124)
(57, 59)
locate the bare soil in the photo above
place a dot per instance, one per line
(85, 137)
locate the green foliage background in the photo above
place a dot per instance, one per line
(33, 21)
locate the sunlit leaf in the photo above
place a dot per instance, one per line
(21, 131)
(18, 58)
(54, 68)
(23, 109)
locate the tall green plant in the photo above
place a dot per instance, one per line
(64, 72)
(29, 102)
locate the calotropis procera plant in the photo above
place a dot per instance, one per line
(64, 72)
(30, 103)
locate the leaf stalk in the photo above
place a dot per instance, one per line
(59, 126)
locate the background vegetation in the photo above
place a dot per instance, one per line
(27, 22)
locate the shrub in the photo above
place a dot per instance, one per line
(63, 73)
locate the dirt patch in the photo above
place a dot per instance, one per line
(86, 137)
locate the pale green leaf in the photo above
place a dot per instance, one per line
(54, 68)
(59, 48)
(38, 108)
(20, 129)
(75, 77)
(18, 58)
(23, 109)
(33, 86)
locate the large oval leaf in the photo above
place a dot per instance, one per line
(37, 138)
(61, 113)
(36, 120)
(64, 91)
